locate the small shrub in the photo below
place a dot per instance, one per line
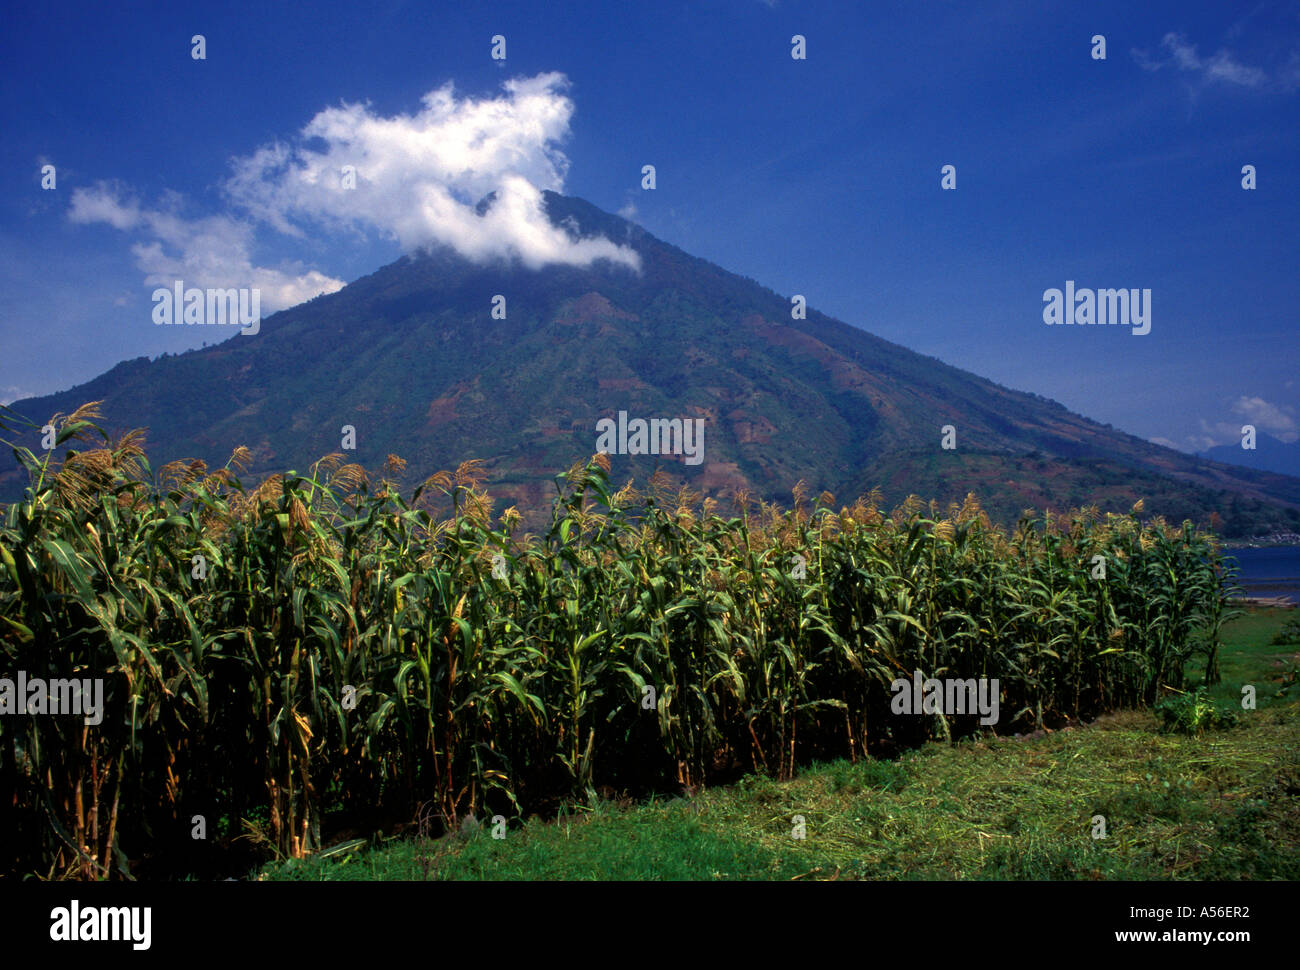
(1290, 633)
(1290, 677)
(1194, 713)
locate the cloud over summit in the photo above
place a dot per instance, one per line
(418, 177)
(415, 178)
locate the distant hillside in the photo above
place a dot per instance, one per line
(1269, 454)
(411, 357)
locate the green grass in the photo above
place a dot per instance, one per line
(1251, 657)
(1221, 806)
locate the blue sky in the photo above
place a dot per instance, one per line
(818, 176)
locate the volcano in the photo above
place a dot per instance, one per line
(438, 360)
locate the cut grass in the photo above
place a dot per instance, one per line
(1218, 807)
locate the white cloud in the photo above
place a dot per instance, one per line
(102, 204)
(12, 392)
(1222, 66)
(1289, 75)
(1262, 414)
(1165, 442)
(206, 252)
(1277, 421)
(418, 179)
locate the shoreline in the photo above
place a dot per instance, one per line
(1279, 602)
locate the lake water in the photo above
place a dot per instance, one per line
(1269, 572)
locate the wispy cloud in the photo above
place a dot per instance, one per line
(1223, 67)
(11, 392)
(1158, 440)
(1279, 421)
(416, 179)
(1262, 414)
(211, 251)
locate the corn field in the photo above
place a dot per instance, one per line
(322, 646)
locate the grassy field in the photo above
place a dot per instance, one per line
(1219, 806)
